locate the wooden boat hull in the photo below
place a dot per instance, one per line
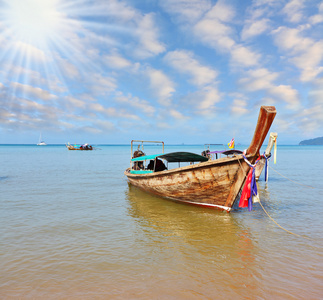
(215, 183)
(205, 184)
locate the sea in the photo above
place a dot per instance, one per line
(71, 227)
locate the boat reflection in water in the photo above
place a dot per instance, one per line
(193, 250)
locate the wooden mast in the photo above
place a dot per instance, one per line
(265, 119)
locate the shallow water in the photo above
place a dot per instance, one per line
(72, 228)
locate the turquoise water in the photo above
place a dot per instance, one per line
(72, 228)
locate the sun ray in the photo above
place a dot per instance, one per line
(52, 47)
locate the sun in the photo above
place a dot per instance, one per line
(33, 21)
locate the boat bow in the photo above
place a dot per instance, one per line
(265, 119)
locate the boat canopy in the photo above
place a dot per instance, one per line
(174, 157)
(183, 157)
(146, 157)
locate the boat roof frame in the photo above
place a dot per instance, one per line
(174, 157)
(142, 143)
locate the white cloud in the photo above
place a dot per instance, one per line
(116, 61)
(284, 125)
(258, 79)
(91, 130)
(304, 52)
(97, 107)
(6, 117)
(264, 9)
(31, 91)
(147, 34)
(244, 57)
(104, 126)
(29, 106)
(100, 84)
(204, 100)
(293, 10)
(111, 111)
(68, 69)
(31, 51)
(20, 113)
(74, 102)
(184, 62)
(254, 28)
(121, 114)
(177, 115)
(287, 94)
(262, 79)
(239, 107)
(212, 29)
(312, 117)
(163, 125)
(118, 9)
(289, 39)
(201, 102)
(141, 105)
(162, 86)
(317, 95)
(222, 12)
(317, 18)
(188, 11)
(211, 96)
(309, 61)
(34, 78)
(213, 32)
(137, 31)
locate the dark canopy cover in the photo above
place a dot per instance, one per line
(183, 157)
(174, 157)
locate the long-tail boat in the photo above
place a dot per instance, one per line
(85, 147)
(209, 183)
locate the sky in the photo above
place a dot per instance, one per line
(178, 71)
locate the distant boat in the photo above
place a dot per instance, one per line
(40, 142)
(210, 183)
(79, 147)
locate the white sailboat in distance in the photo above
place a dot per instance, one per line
(40, 142)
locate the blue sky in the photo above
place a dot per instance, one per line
(181, 71)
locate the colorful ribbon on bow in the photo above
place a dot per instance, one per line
(249, 191)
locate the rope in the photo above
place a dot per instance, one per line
(248, 162)
(245, 173)
(304, 237)
(268, 213)
(311, 187)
